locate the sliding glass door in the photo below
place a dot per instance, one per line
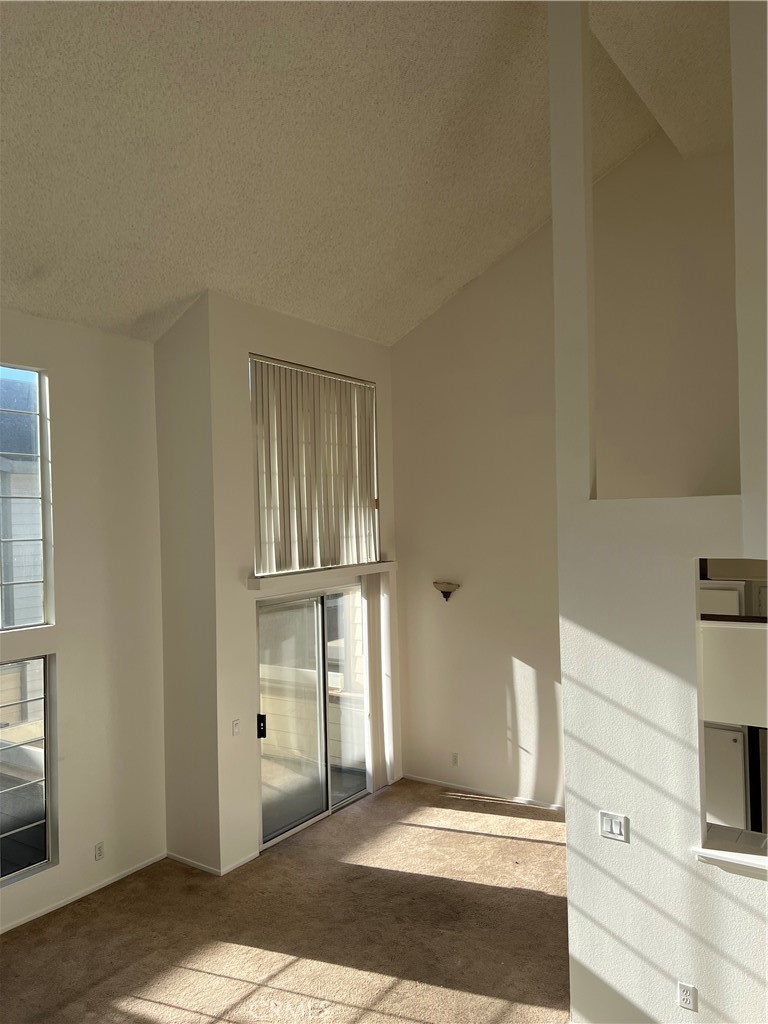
(294, 770)
(346, 675)
(313, 721)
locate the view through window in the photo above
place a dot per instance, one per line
(23, 766)
(25, 839)
(22, 567)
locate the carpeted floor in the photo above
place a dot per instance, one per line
(413, 905)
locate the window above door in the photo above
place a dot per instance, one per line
(314, 440)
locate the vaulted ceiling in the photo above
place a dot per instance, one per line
(353, 164)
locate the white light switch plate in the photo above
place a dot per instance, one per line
(614, 826)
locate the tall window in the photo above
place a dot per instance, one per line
(315, 463)
(23, 766)
(23, 473)
(25, 542)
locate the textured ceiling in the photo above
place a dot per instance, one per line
(350, 164)
(677, 58)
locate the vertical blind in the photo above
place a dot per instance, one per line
(315, 465)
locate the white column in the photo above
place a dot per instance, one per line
(573, 270)
(572, 246)
(748, 74)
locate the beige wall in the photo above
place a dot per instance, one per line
(475, 503)
(108, 632)
(666, 400)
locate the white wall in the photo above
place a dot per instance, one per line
(108, 632)
(666, 400)
(475, 504)
(182, 368)
(645, 914)
(475, 456)
(206, 463)
(748, 84)
(238, 329)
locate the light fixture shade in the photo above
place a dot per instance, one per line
(445, 588)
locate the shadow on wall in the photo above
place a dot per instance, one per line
(606, 1005)
(634, 752)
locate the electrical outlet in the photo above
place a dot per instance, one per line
(454, 760)
(687, 996)
(98, 851)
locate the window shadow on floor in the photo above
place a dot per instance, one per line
(503, 943)
(301, 919)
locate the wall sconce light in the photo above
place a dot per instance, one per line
(445, 588)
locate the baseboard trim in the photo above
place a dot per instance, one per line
(83, 893)
(194, 864)
(240, 863)
(480, 792)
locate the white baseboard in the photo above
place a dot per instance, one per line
(239, 863)
(194, 864)
(479, 792)
(85, 892)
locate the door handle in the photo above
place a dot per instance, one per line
(261, 726)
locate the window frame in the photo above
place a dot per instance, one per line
(37, 641)
(46, 503)
(364, 567)
(50, 780)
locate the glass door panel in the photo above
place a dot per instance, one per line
(294, 780)
(346, 670)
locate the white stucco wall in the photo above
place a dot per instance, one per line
(183, 387)
(108, 632)
(748, 84)
(646, 914)
(666, 374)
(207, 501)
(475, 504)
(474, 401)
(238, 329)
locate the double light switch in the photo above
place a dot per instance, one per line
(614, 826)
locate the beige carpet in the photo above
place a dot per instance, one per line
(414, 905)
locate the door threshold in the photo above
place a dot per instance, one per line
(294, 830)
(313, 821)
(350, 800)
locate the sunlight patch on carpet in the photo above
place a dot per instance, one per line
(301, 990)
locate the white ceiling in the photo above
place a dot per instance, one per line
(353, 164)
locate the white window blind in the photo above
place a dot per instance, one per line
(315, 466)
